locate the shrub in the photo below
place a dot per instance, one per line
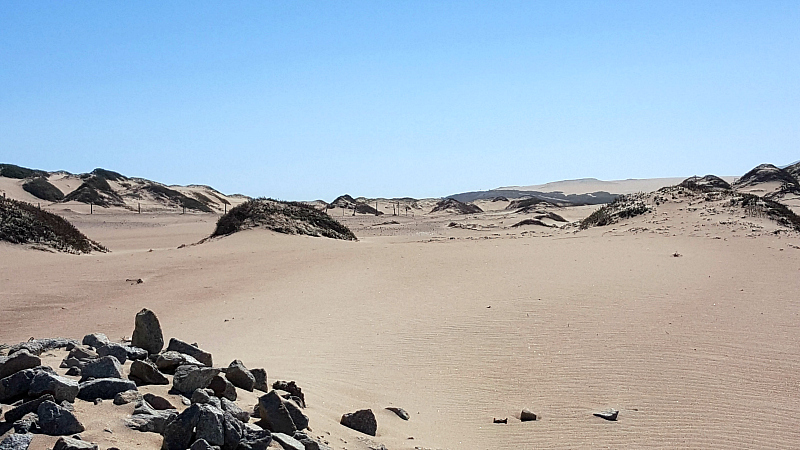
(41, 188)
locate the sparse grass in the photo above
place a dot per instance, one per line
(623, 207)
(762, 207)
(13, 171)
(176, 197)
(23, 223)
(282, 217)
(41, 188)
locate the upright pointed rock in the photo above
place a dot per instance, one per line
(147, 334)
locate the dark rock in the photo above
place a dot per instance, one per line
(401, 413)
(253, 437)
(105, 388)
(234, 410)
(38, 346)
(57, 421)
(16, 442)
(201, 444)
(233, 430)
(95, 340)
(309, 442)
(202, 395)
(16, 413)
(123, 398)
(176, 345)
(288, 442)
(496, 420)
(238, 374)
(527, 415)
(29, 423)
(136, 353)
(223, 388)
(61, 388)
(149, 420)
(280, 415)
(260, 376)
(609, 414)
(82, 352)
(68, 406)
(18, 361)
(179, 432)
(105, 367)
(65, 443)
(209, 425)
(158, 402)
(189, 378)
(73, 362)
(292, 388)
(362, 420)
(167, 362)
(73, 372)
(147, 332)
(116, 350)
(16, 386)
(145, 372)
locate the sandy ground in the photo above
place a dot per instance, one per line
(457, 325)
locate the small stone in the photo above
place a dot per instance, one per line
(145, 372)
(238, 374)
(202, 395)
(57, 421)
(496, 420)
(179, 346)
(609, 414)
(157, 402)
(527, 415)
(362, 420)
(147, 332)
(82, 352)
(95, 340)
(189, 378)
(123, 398)
(401, 413)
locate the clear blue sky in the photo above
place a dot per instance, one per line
(306, 100)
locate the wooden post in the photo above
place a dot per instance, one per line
(140, 208)
(376, 207)
(226, 208)
(91, 208)
(184, 209)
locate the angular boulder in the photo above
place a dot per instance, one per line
(260, 380)
(176, 345)
(210, 425)
(293, 389)
(310, 443)
(29, 423)
(16, 442)
(57, 421)
(169, 361)
(123, 398)
(20, 360)
(104, 367)
(187, 379)
(116, 350)
(609, 414)
(363, 421)
(179, 432)
(147, 332)
(238, 374)
(104, 388)
(280, 415)
(38, 346)
(527, 415)
(82, 352)
(144, 373)
(234, 410)
(61, 388)
(223, 388)
(149, 420)
(95, 340)
(65, 443)
(19, 411)
(14, 387)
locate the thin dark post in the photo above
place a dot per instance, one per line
(91, 208)
(226, 208)
(184, 209)
(39, 205)
(140, 208)
(376, 208)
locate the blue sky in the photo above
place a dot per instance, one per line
(307, 100)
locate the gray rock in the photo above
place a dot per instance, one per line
(209, 425)
(234, 410)
(18, 361)
(149, 420)
(95, 340)
(202, 395)
(82, 352)
(253, 437)
(201, 444)
(223, 388)
(309, 442)
(16, 413)
(176, 345)
(73, 372)
(167, 362)
(104, 367)
(189, 378)
(61, 388)
(234, 431)
(38, 346)
(16, 442)
(147, 332)
(609, 414)
(401, 413)
(293, 389)
(16, 386)
(73, 362)
(260, 377)
(238, 374)
(288, 442)
(144, 372)
(116, 350)
(136, 353)
(179, 432)
(362, 420)
(104, 388)
(158, 402)
(29, 423)
(123, 398)
(68, 406)
(57, 421)
(276, 415)
(527, 415)
(65, 443)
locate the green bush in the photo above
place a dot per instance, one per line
(41, 188)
